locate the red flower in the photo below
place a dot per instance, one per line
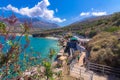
(1, 46)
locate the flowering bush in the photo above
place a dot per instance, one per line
(10, 48)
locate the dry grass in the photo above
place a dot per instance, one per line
(105, 49)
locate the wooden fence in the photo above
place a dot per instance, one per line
(103, 69)
(97, 68)
(78, 72)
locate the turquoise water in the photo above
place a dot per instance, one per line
(41, 46)
(38, 48)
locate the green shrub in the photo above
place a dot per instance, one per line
(92, 33)
(112, 29)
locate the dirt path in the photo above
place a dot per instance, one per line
(65, 73)
(81, 60)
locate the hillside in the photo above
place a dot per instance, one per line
(39, 23)
(95, 25)
(91, 26)
(104, 49)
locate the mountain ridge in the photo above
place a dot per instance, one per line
(95, 25)
(36, 23)
(39, 23)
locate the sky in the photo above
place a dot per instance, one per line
(61, 12)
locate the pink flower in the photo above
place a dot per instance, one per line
(1, 46)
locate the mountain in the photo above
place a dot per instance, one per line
(91, 26)
(94, 25)
(38, 23)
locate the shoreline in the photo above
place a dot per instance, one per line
(18, 34)
(53, 38)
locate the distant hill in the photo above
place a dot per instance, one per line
(92, 26)
(37, 23)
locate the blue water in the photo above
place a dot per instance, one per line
(38, 47)
(41, 46)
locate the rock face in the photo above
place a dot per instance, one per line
(105, 49)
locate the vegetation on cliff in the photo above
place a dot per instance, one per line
(104, 49)
(92, 26)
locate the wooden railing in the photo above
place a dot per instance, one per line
(103, 69)
(80, 72)
(98, 68)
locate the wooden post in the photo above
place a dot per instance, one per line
(88, 65)
(103, 70)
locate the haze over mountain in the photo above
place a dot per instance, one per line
(38, 23)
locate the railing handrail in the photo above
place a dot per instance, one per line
(98, 67)
(94, 64)
(103, 68)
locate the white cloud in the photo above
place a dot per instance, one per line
(93, 13)
(99, 13)
(39, 10)
(85, 14)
